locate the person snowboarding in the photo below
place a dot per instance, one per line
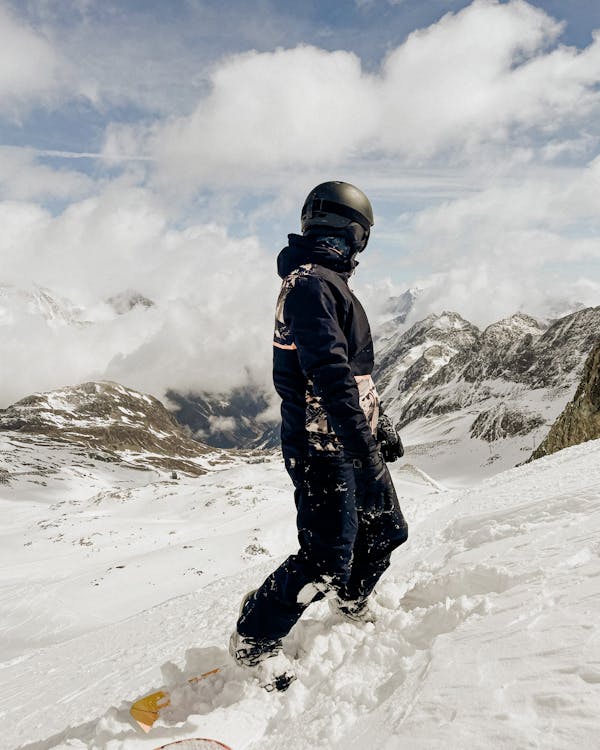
(335, 438)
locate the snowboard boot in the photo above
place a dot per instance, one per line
(355, 610)
(250, 652)
(264, 656)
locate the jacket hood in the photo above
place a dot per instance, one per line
(301, 250)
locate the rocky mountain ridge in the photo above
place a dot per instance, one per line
(455, 389)
(108, 422)
(580, 420)
(407, 359)
(495, 391)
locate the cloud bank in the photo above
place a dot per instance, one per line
(210, 326)
(485, 75)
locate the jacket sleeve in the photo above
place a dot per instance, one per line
(311, 312)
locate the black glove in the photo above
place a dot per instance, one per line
(374, 488)
(389, 440)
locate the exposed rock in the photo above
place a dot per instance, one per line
(503, 350)
(270, 438)
(414, 356)
(111, 422)
(125, 301)
(580, 420)
(501, 422)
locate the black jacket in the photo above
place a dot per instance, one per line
(322, 341)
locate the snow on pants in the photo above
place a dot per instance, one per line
(342, 551)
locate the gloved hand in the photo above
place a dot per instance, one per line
(374, 488)
(390, 443)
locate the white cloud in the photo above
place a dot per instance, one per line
(22, 177)
(490, 73)
(484, 293)
(221, 424)
(30, 68)
(461, 80)
(266, 111)
(514, 244)
(526, 219)
(210, 326)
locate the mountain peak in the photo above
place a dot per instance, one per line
(512, 329)
(38, 301)
(128, 299)
(401, 305)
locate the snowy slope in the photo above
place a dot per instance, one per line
(487, 636)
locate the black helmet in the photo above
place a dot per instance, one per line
(338, 205)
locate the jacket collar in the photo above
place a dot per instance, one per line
(301, 250)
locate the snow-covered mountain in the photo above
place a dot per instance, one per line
(406, 360)
(38, 301)
(395, 312)
(109, 422)
(116, 582)
(486, 397)
(487, 383)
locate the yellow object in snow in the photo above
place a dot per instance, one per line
(146, 710)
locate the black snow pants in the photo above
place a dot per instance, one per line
(343, 550)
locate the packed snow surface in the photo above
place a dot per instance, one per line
(115, 583)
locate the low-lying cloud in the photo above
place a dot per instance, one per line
(208, 329)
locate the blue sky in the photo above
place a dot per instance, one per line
(134, 131)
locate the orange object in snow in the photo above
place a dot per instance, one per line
(146, 710)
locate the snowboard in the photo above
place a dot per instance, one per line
(146, 710)
(195, 744)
